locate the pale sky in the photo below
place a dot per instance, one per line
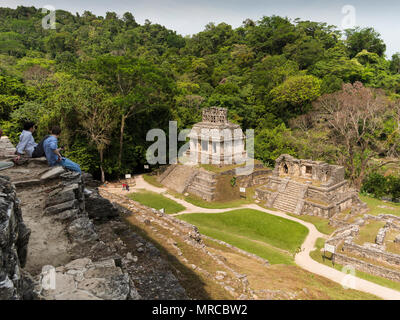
(190, 16)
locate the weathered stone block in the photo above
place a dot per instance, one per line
(14, 237)
(60, 197)
(52, 173)
(67, 215)
(73, 204)
(82, 230)
(99, 208)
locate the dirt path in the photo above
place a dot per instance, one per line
(48, 242)
(302, 259)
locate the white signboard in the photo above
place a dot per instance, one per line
(146, 166)
(242, 189)
(329, 248)
(128, 176)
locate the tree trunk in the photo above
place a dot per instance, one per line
(103, 177)
(121, 142)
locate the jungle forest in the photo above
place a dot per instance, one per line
(307, 88)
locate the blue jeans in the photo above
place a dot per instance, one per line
(70, 165)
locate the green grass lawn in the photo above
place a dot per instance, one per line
(214, 204)
(270, 237)
(368, 232)
(321, 224)
(373, 205)
(197, 201)
(156, 201)
(316, 255)
(152, 180)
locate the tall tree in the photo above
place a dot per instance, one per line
(354, 117)
(364, 39)
(98, 120)
(135, 84)
(90, 107)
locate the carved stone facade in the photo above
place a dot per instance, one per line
(215, 115)
(307, 187)
(215, 140)
(325, 174)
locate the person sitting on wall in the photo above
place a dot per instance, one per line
(27, 144)
(53, 155)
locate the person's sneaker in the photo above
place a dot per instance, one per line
(87, 192)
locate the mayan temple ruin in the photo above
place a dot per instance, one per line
(295, 185)
(213, 141)
(216, 140)
(307, 187)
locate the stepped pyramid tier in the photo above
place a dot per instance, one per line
(197, 181)
(215, 140)
(178, 177)
(307, 187)
(206, 184)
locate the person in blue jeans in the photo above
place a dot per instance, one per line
(53, 155)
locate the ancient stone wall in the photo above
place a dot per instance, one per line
(371, 253)
(319, 210)
(14, 238)
(315, 170)
(215, 115)
(367, 267)
(7, 150)
(256, 178)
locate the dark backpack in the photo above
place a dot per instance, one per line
(39, 150)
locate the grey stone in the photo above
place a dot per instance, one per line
(52, 173)
(73, 204)
(67, 215)
(380, 237)
(77, 264)
(99, 208)
(83, 279)
(14, 238)
(82, 230)
(360, 222)
(62, 196)
(27, 183)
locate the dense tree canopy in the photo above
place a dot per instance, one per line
(268, 73)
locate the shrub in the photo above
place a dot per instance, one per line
(375, 184)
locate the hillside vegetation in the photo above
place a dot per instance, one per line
(270, 237)
(109, 80)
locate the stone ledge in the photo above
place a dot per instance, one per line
(368, 267)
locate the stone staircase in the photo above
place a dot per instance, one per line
(290, 197)
(204, 185)
(178, 177)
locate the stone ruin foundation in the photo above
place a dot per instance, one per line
(307, 187)
(373, 258)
